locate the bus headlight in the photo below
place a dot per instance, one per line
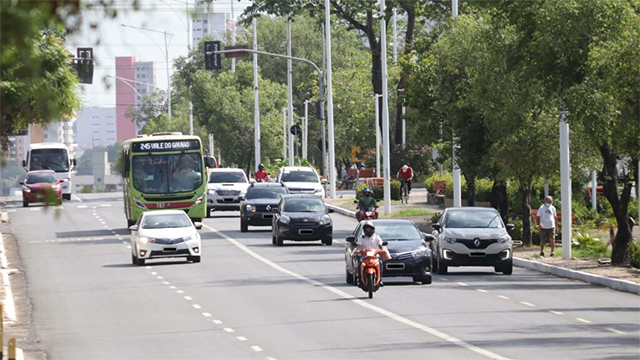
(199, 200)
(139, 203)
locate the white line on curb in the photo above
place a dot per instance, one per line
(76, 197)
(556, 312)
(616, 331)
(527, 304)
(8, 304)
(583, 320)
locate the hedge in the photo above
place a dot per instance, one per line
(378, 191)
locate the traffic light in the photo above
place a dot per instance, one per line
(212, 61)
(83, 65)
(319, 110)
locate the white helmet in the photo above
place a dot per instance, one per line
(369, 223)
(405, 167)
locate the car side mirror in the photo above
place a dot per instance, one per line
(133, 227)
(510, 227)
(435, 226)
(355, 201)
(73, 162)
(330, 211)
(429, 237)
(198, 225)
(351, 239)
(384, 243)
(21, 183)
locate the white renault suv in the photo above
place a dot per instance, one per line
(301, 180)
(226, 189)
(472, 236)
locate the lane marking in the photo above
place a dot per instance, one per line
(217, 322)
(504, 297)
(166, 282)
(82, 206)
(583, 320)
(527, 304)
(206, 314)
(172, 287)
(359, 302)
(556, 312)
(188, 298)
(462, 284)
(229, 330)
(34, 209)
(76, 197)
(257, 348)
(443, 279)
(197, 306)
(241, 338)
(180, 291)
(154, 273)
(103, 222)
(129, 247)
(105, 205)
(8, 303)
(616, 331)
(482, 291)
(160, 277)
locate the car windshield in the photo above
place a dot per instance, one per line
(49, 159)
(227, 177)
(303, 205)
(473, 219)
(299, 176)
(396, 232)
(266, 192)
(38, 178)
(163, 174)
(166, 221)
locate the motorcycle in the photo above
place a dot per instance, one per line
(367, 213)
(370, 274)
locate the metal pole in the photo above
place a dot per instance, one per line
(546, 186)
(385, 111)
(395, 36)
(324, 151)
(332, 153)
(324, 71)
(166, 49)
(377, 125)
(290, 90)
(594, 193)
(305, 129)
(404, 126)
(189, 41)
(211, 144)
(256, 96)
(233, 37)
(565, 185)
(284, 133)
(457, 181)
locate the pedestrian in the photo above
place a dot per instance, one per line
(547, 224)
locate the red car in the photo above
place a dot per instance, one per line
(41, 186)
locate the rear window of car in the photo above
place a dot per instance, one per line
(166, 221)
(38, 178)
(473, 219)
(299, 176)
(227, 177)
(266, 193)
(303, 205)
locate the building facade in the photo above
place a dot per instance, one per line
(125, 97)
(96, 126)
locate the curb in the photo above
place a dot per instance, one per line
(615, 284)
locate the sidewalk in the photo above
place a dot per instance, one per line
(617, 278)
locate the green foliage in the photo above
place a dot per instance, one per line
(407, 212)
(517, 231)
(378, 191)
(86, 189)
(272, 167)
(634, 254)
(586, 245)
(435, 218)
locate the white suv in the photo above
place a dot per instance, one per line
(301, 180)
(472, 236)
(226, 189)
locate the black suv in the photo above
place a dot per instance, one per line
(261, 198)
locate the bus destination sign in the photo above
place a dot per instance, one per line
(167, 145)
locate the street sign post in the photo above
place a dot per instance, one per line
(295, 130)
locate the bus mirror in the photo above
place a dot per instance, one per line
(24, 163)
(73, 162)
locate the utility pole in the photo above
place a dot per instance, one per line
(377, 125)
(233, 37)
(385, 111)
(324, 71)
(211, 152)
(305, 130)
(457, 184)
(284, 133)
(332, 145)
(256, 96)
(395, 35)
(290, 90)
(565, 184)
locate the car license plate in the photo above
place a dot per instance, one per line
(170, 249)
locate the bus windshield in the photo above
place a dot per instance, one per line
(49, 159)
(163, 174)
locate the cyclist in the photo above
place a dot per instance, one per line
(405, 174)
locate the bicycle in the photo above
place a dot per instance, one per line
(404, 199)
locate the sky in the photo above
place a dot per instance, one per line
(111, 39)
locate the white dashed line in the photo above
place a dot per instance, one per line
(148, 267)
(616, 331)
(154, 273)
(556, 312)
(583, 320)
(180, 291)
(527, 304)
(504, 297)
(12, 210)
(217, 322)
(166, 282)
(241, 338)
(257, 348)
(443, 279)
(229, 330)
(82, 206)
(160, 277)
(105, 205)
(482, 291)
(462, 284)
(196, 306)
(76, 197)
(271, 358)
(103, 222)
(129, 247)
(206, 314)
(172, 287)
(188, 298)
(34, 209)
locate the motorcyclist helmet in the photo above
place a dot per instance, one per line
(368, 223)
(367, 191)
(260, 167)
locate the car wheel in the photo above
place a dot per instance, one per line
(279, 241)
(208, 213)
(349, 277)
(442, 268)
(244, 227)
(194, 259)
(507, 269)
(134, 259)
(426, 280)
(130, 223)
(25, 204)
(66, 196)
(140, 262)
(328, 241)
(273, 240)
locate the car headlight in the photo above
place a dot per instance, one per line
(195, 236)
(211, 191)
(449, 239)
(325, 219)
(285, 219)
(421, 252)
(199, 200)
(504, 239)
(317, 191)
(145, 240)
(56, 187)
(250, 208)
(139, 203)
(26, 189)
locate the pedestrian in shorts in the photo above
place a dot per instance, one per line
(547, 224)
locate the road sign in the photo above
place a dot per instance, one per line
(295, 130)
(212, 61)
(83, 65)
(239, 54)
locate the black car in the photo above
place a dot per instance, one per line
(410, 253)
(302, 218)
(259, 202)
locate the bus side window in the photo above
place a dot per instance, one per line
(127, 164)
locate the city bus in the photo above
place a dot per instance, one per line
(52, 156)
(164, 171)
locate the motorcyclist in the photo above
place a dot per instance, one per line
(366, 202)
(405, 174)
(261, 175)
(369, 240)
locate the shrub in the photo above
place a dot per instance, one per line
(585, 245)
(516, 233)
(378, 191)
(435, 218)
(483, 189)
(634, 254)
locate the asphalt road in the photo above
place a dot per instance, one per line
(248, 299)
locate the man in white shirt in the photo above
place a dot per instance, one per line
(547, 224)
(369, 240)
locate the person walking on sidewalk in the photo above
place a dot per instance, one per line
(547, 224)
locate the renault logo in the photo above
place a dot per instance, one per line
(268, 207)
(306, 220)
(476, 242)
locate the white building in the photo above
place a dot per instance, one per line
(61, 132)
(145, 72)
(215, 19)
(96, 126)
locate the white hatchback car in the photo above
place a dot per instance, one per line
(165, 234)
(301, 180)
(226, 189)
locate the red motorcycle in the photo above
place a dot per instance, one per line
(370, 275)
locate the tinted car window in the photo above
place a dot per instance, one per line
(299, 176)
(397, 231)
(303, 205)
(227, 177)
(41, 178)
(266, 193)
(165, 221)
(473, 219)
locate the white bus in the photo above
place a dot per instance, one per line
(52, 156)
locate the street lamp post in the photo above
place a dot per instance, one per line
(377, 125)
(457, 184)
(165, 53)
(305, 129)
(284, 133)
(385, 111)
(290, 89)
(332, 154)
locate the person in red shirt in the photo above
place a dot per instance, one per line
(405, 174)
(262, 175)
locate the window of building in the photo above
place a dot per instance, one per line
(205, 21)
(137, 76)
